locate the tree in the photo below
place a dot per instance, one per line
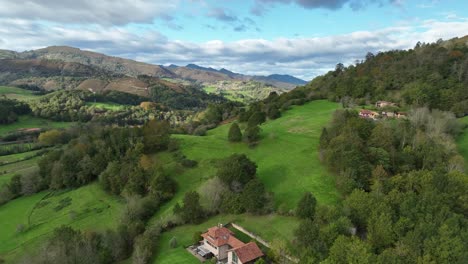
(211, 193)
(191, 210)
(273, 112)
(236, 171)
(235, 134)
(306, 206)
(350, 250)
(256, 119)
(162, 185)
(253, 196)
(156, 135)
(252, 134)
(52, 137)
(15, 185)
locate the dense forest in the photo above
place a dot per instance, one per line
(405, 193)
(433, 75)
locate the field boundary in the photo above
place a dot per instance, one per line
(261, 240)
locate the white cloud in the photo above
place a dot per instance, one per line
(302, 57)
(105, 12)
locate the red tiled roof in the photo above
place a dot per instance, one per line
(248, 252)
(220, 236)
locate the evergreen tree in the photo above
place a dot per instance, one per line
(256, 119)
(306, 206)
(253, 196)
(252, 134)
(235, 134)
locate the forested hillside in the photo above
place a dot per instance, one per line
(430, 74)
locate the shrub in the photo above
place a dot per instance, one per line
(173, 242)
(188, 163)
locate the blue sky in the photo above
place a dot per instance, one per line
(304, 38)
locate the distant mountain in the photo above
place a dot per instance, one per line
(62, 67)
(196, 67)
(277, 80)
(286, 78)
(113, 64)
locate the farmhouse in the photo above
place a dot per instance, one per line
(381, 104)
(368, 114)
(222, 243)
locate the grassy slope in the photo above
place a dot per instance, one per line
(8, 171)
(32, 122)
(93, 209)
(287, 155)
(462, 141)
(17, 93)
(16, 157)
(288, 164)
(107, 106)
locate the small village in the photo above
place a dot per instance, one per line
(383, 111)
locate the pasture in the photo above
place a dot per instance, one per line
(288, 164)
(27, 121)
(28, 221)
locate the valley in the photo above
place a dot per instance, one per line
(110, 160)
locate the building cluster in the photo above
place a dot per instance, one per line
(221, 243)
(374, 115)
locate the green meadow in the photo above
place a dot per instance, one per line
(107, 106)
(17, 93)
(27, 121)
(28, 221)
(288, 164)
(9, 170)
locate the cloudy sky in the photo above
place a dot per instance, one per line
(304, 38)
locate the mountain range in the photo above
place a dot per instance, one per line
(131, 68)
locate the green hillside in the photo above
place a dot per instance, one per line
(27, 121)
(288, 164)
(27, 221)
(293, 169)
(430, 75)
(17, 93)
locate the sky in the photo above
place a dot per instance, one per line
(304, 38)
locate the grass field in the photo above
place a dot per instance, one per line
(17, 157)
(27, 121)
(88, 207)
(107, 106)
(288, 164)
(17, 93)
(462, 141)
(8, 171)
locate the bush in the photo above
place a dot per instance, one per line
(173, 242)
(20, 228)
(200, 131)
(197, 237)
(188, 163)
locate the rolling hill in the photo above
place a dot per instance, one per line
(133, 68)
